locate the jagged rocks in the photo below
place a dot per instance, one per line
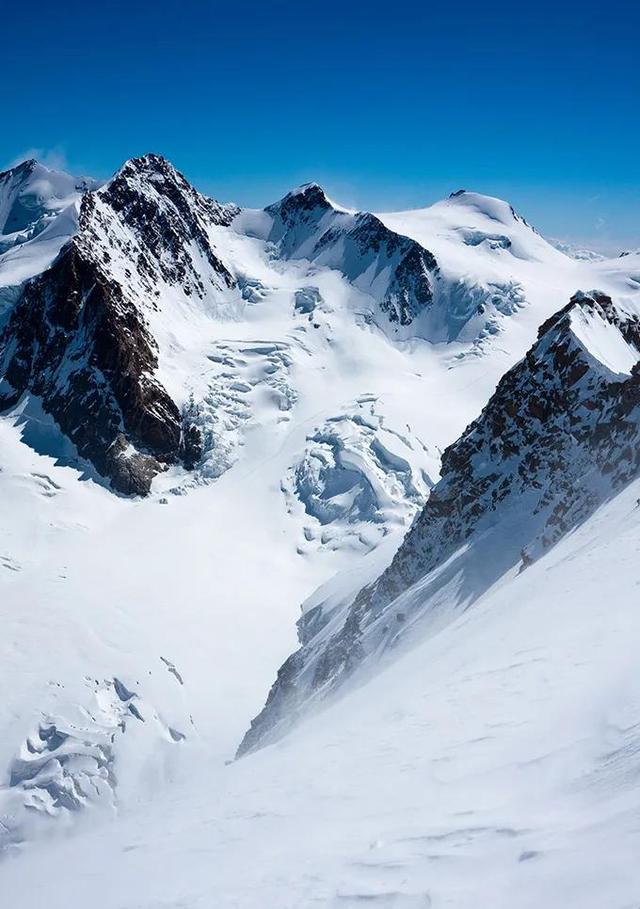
(79, 336)
(166, 223)
(77, 342)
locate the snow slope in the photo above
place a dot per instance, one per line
(490, 763)
(558, 437)
(140, 635)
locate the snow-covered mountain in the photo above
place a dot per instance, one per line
(79, 335)
(392, 269)
(423, 426)
(31, 197)
(578, 252)
(93, 335)
(38, 214)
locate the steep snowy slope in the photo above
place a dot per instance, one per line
(493, 763)
(559, 436)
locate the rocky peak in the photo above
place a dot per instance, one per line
(152, 174)
(305, 198)
(19, 170)
(166, 223)
(297, 217)
(79, 336)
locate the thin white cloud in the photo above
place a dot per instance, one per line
(54, 158)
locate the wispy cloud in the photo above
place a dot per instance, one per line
(50, 157)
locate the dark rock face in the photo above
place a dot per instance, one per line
(77, 342)
(306, 225)
(556, 425)
(296, 215)
(165, 217)
(559, 436)
(409, 291)
(78, 337)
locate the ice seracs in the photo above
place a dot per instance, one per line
(357, 478)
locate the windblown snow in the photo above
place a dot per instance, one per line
(330, 383)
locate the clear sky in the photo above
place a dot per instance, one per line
(388, 104)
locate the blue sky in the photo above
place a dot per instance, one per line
(388, 105)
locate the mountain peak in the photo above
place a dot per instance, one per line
(306, 197)
(149, 165)
(310, 188)
(489, 206)
(23, 168)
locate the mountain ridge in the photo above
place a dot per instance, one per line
(558, 437)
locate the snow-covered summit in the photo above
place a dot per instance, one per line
(487, 206)
(478, 222)
(31, 196)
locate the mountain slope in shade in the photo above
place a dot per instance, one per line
(560, 435)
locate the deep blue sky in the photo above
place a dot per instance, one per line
(388, 105)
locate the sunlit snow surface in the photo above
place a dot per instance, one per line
(491, 762)
(494, 762)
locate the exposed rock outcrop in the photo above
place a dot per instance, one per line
(79, 336)
(76, 341)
